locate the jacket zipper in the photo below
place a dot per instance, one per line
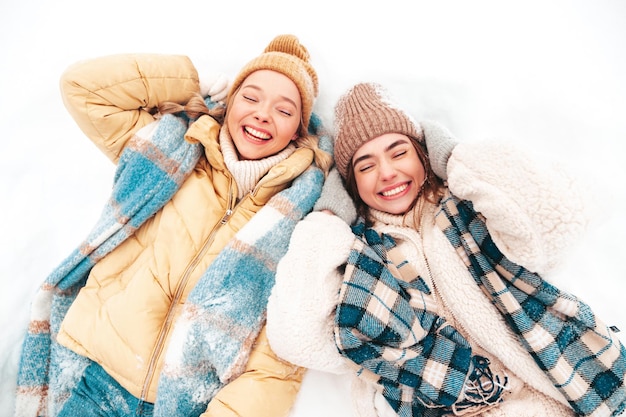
(230, 209)
(446, 306)
(458, 325)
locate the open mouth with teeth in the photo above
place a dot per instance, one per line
(394, 191)
(256, 135)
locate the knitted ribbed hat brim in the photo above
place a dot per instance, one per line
(286, 55)
(363, 113)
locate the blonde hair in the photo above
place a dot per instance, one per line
(322, 159)
(194, 108)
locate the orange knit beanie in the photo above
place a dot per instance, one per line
(285, 54)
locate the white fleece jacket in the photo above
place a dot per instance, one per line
(533, 213)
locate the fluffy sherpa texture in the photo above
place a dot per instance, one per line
(582, 357)
(404, 343)
(397, 339)
(534, 213)
(201, 357)
(298, 340)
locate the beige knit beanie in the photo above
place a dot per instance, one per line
(285, 54)
(364, 113)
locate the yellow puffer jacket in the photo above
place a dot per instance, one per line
(122, 318)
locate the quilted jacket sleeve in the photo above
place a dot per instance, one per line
(534, 209)
(267, 388)
(112, 97)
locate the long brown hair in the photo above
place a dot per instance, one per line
(196, 107)
(432, 189)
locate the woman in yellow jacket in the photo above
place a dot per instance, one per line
(134, 324)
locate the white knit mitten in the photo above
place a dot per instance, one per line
(212, 84)
(439, 143)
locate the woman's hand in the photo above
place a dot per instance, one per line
(439, 144)
(215, 86)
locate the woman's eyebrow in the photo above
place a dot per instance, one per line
(387, 149)
(257, 88)
(293, 103)
(360, 158)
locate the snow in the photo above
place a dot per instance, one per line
(548, 76)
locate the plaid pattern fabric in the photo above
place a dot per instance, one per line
(398, 341)
(580, 354)
(148, 173)
(231, 294)
(387, 325)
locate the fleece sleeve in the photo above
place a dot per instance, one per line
(112, 97)
(301, 308)
(268, 387)
(533, 209)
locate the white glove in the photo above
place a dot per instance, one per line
(214, 86)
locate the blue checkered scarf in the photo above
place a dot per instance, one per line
(422, 363)
(233, 290)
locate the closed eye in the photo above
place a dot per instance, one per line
(365, 167)
(399, 154)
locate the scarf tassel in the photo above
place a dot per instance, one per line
(482, 389)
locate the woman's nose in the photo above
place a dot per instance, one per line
(261, 113)
(387, 170)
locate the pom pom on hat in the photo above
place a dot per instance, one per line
(364, 113)
(285, 54)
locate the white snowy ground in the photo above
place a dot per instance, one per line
(549, 76)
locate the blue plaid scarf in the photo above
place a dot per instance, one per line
(422, 363)
(235, 287)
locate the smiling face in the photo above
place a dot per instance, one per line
(264, 114)
(388, 173)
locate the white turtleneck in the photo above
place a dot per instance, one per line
(247, 173)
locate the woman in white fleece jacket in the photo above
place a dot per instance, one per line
(453, 351)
